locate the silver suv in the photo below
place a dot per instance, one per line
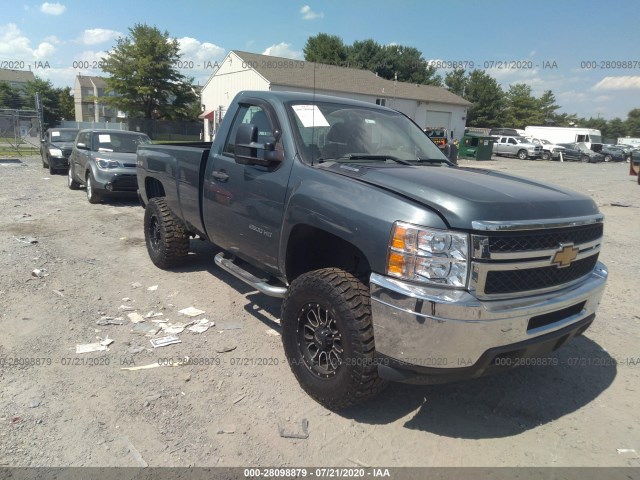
(516, 146)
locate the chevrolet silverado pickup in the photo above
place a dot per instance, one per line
(393, 263)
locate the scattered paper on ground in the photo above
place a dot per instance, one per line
(148, 329)
(164, 341)
(191, 312)
(90, 347)
(135, 317)
(201, 326)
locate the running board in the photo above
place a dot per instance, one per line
(259, 284)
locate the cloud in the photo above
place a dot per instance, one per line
(52, 8)
(14, 45)
(625, 82)
(283, 50)
(93, 36)
(192, 49)
(308, 14)
(53, 39)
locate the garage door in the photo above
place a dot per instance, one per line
(437, 119)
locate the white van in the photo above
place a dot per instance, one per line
(591, 136)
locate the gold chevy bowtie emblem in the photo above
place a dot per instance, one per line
(565, 255)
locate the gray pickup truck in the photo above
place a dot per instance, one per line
(393, 263)
(519, 147)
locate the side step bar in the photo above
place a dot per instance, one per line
(259, 284)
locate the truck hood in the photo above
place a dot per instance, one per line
(464, 195)
(118, 156)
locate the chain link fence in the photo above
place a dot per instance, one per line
(19, 132)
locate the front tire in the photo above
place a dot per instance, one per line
(522, 155)
(166, 238)
(584, 159)
(546, 156)
(92, 195)
(608, 158)
(327, 335)
(71, 183)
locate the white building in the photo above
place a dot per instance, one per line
(427, 105)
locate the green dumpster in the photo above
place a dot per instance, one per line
(476, 146)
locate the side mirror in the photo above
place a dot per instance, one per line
(246, 148)
(81, 146)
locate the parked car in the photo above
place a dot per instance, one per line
(579, 152)
(549, 150)
(56, 146)
(634, 152)
(516, 146)
(105, 162)
(615, 153)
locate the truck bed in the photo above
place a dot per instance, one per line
(176, 165)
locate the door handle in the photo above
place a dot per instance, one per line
(221, 176)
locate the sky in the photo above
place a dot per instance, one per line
(586, 52)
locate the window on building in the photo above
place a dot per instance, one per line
(381, 101)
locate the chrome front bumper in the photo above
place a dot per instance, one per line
(452, 329)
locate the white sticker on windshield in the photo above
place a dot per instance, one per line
(310, 116)
(104, 138)
(55, 134)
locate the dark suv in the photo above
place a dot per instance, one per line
(56, 146)
(105, 162)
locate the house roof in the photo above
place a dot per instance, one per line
(296, 73)
(88, 81)
(18, 76)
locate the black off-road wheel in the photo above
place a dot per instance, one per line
(328, 338)
(166, 238)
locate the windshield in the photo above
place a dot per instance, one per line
(583, 147)
(595, 138)
(63, 135)
(341, 132)
(119, 142)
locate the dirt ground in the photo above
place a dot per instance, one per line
(62, 408)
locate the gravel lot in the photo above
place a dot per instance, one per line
(60, 408)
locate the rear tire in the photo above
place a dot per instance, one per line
(166, 238)
(327, 335)
(522, 155)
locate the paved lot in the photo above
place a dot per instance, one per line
(59, 408)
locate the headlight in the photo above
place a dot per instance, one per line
(106, 164)
(427, 255)
(55, 152)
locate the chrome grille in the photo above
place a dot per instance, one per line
(543, 239)
(511, 281)
(519, 261)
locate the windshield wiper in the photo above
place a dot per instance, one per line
(366, 156)
(432, 160)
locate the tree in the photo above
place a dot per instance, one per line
(393, 62)
(616, 128)
(522, 108)
(66, 105)
(456, 81)
(547, 105)
(10, 97)
(633, 123)
(143, 75)
(325, 48)
(488, 100)
(49, 97)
